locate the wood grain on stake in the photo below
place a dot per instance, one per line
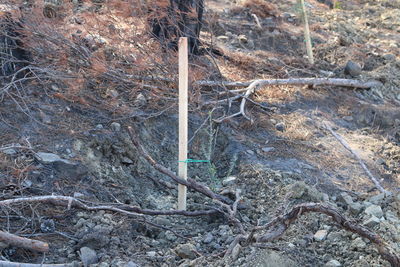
(183, 119)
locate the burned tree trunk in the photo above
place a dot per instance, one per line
(178, 18)
(12, 55)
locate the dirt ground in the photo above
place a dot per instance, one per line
(284, 157)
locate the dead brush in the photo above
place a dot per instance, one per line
(260, 8)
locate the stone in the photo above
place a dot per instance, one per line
(242, 38)
(250, 152)
(300, 190)
(320, 235)
(230, 180)
(186, 251)
(391, 217)
(132, 264)
(47, 226)
(44, 117)
(377, 199)
(208, 239)
(358, 244)
(334, 236)
(99, 126)
(88, 256)
(389, 57)
(151, 253)
(47, 158)
(268, 149)
(115, 126)
(235, 252)
(371, 222)
(280, 126)
(355, 208)
(333, 263)
(345, 199)
(170, 236)
(9, 151)
(140, 100)
(223, 38)
(374, 210)
(126, 160)
(352, 68)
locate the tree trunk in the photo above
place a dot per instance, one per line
(182, 18)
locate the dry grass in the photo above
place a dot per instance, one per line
(260, 8)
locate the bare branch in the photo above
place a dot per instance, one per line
(355, 154)
(23, 242)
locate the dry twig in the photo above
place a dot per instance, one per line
(355, 154)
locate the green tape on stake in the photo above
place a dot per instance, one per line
(194, 161)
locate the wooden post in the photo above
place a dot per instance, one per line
(307, 36)
(183, 119)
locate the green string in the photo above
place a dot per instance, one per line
(193, 160)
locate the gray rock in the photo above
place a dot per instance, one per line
(268, 149)
(345, 199)
(374, 210)
(99, 126)
(355, 208)
(88, 256)
(358, 244)
(186, 251)
(151, 254)
(300, 190)
(47, 158)
(333, 263)
(391, 217)
(352, 68)
(170, 236)
(389, 57)
(280, 126)
(116, 127)
(371, 222)
(8, 151)
(377, 199)
(230, 180)
(250, 152)
(334, 236)
(132, 264)
(208, 239)
(140, 100)
(320, 235)
(235, 252)
(126, 160)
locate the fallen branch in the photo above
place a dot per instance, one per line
(281, 223)
(293, 81)
(21, 264)
(70, 202)
(23, 242)
(249, 90)
(355, 154)
(189, 182)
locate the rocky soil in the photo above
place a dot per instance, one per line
(285, 157)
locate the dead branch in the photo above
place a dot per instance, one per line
(355, 154)
(281, 223)
(70, 202)
(23, 242)
(258, 84)
(249, 90)
(189, 182)
(294, 81)
(20, 264)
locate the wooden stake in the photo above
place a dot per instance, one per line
(183, 119)
(307, 36)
